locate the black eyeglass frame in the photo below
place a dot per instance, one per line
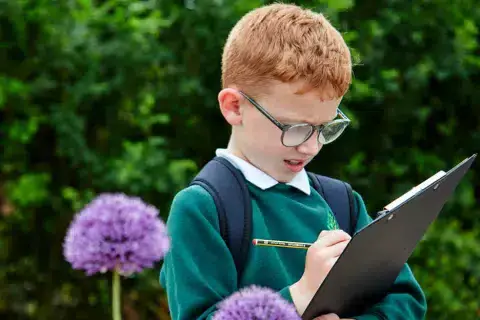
(285, 127)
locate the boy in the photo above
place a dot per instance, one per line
(284, 73)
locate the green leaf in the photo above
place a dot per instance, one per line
(30, 189)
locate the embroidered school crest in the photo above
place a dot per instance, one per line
(332, 222)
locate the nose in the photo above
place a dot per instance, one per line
(310, 147)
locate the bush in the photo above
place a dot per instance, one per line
(120, 95)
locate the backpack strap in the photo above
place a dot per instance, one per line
(335, 192)
(228, 188)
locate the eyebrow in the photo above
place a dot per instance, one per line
(289, 121)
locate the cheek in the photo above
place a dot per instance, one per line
(269, 142)
(269, 136)
(257, 128)
(262, 135)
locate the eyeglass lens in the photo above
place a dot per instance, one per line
(298, 134)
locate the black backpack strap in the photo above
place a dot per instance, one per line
(228, 188)
(339, 196)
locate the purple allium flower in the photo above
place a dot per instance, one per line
(256, 303)
(116, 232)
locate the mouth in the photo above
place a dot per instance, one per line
(295, 165)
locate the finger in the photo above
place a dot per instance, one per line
(335, 250)
(330, 233)
(332, 237)
(330, 316)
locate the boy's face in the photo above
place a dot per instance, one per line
(258, 140)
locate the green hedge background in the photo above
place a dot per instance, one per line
(120, 95)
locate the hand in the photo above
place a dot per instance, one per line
(330, 316)
(321, 256)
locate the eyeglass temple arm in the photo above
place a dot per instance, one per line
(264, 112)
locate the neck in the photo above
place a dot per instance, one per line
(233, 148)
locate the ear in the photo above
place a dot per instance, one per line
(229, 100)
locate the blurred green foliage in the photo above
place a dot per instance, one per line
(120, 95)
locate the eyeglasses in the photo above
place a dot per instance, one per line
(296, 134)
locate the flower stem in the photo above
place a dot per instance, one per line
(116, 311)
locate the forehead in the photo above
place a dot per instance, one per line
(290, 103)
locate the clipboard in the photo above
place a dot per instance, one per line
(375, 255)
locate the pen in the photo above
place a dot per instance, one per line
(281, 244)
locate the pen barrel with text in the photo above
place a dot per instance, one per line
(281, 244)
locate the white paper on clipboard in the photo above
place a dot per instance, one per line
(395, 203)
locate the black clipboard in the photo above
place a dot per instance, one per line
(375, 255)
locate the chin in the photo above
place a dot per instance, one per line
(284, 178)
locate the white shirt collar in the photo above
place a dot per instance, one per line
(260, 178)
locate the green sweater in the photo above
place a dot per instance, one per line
(199, 270)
